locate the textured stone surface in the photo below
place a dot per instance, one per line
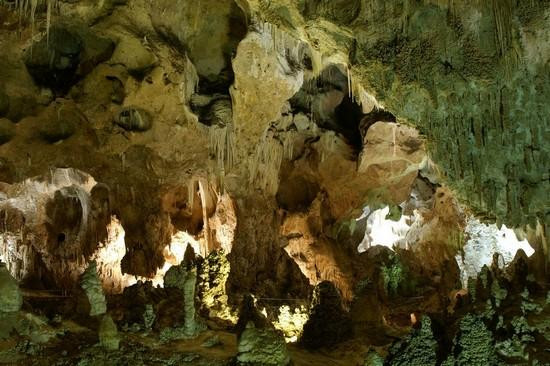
(392, 155)
(184, 277)
(7, 130)
(419, 348)
(220, 24)
(91, 284)
(108, 334)
(328, 322)
(262, 347)
(11, 299)
(131, 53)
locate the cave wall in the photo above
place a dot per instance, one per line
(472, 77)
(288, 93)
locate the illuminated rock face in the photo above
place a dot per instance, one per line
(484, 242)
(392, 156)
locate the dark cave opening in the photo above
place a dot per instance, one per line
(328, 102)
(376, 115)
(348, 116)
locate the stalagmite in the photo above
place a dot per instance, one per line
(108, 334)
(184, 278)
(91, 284)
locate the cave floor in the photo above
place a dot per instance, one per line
(79, 346)
(75, 342)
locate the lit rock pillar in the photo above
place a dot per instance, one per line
(184, 277)
(91, 285)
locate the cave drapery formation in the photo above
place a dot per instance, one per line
(267, 182)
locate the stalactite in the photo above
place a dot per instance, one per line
(502, 12)
(222, 146)
(270, 152)
(206, 226)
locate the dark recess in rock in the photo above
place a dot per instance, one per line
(7, 130)
(68, 54)
(327, 101)
(328, 322)
(371, 118)
(4, 103)
(296, 193)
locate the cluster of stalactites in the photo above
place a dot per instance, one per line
(270, 152)
(28, 9)
(222, 146)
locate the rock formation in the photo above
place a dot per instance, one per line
(262, 347)
(366, 179)
(11, 299)
(108, 334)
(184, 278)
(91, 285)
(328, 322)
